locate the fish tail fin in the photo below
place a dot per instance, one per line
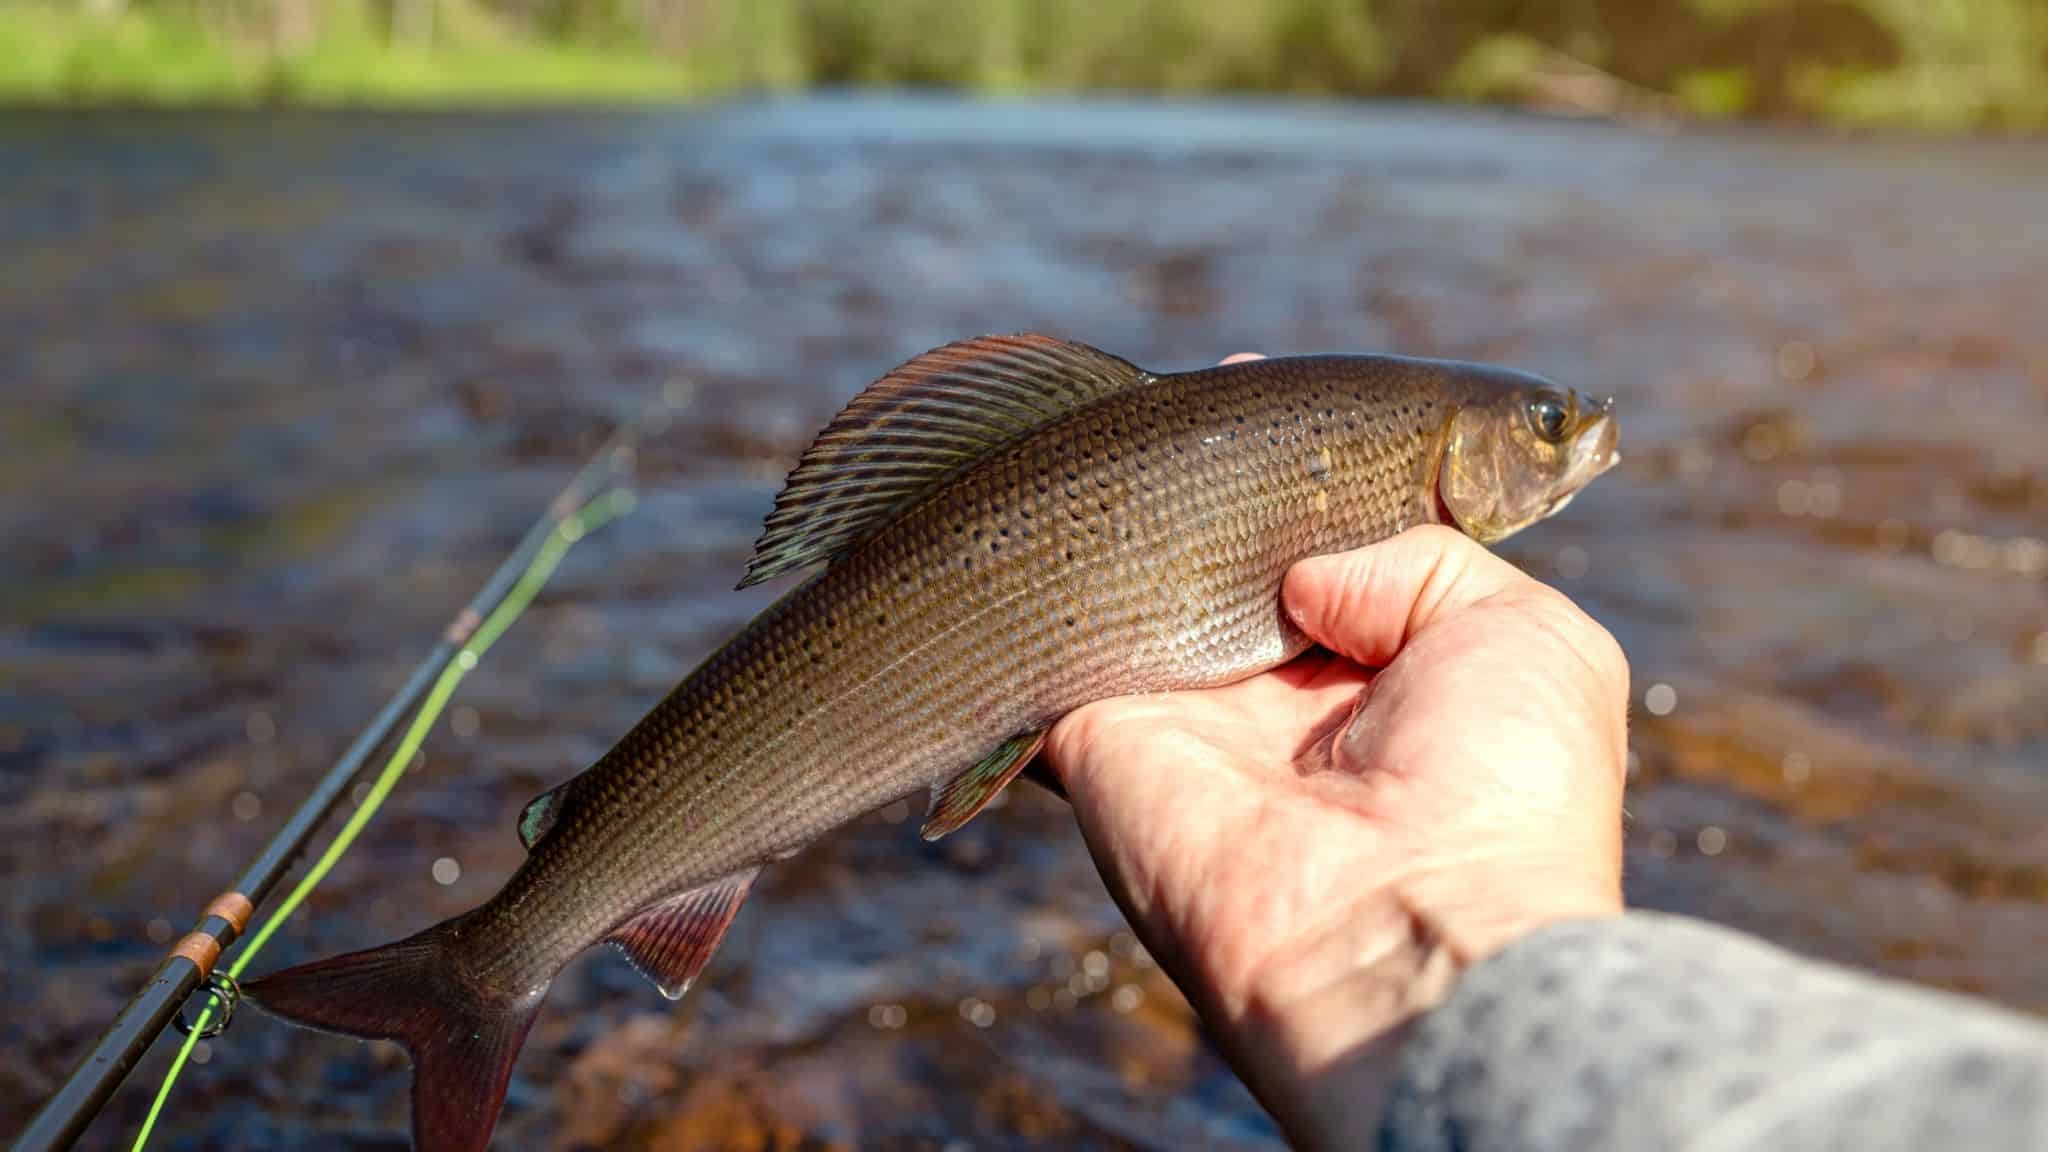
(463, 1038)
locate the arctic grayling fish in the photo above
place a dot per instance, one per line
(1011, 527)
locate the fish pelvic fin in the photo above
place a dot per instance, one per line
(905, 434)
(961, 798)
(671, 940)
(462, 1038)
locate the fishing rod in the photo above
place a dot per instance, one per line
(190, 963)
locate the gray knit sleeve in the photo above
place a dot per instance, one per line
(1654, 1032)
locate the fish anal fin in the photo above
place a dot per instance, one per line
(907, 432)
(670, 941)
(540, 814)
(959, 799)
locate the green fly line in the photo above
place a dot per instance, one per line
(591, 516)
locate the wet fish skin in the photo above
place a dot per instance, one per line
(1135, 541)
(1136, 546)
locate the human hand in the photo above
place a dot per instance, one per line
(1315, 853)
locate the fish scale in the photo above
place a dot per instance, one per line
(1012, 528)
(1170, 572)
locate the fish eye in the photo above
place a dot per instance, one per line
(1549, 414)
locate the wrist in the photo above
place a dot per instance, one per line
(1322, 1030)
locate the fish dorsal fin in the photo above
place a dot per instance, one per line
(541, 812)
(911, 429)
(670, 941)
(959, 799)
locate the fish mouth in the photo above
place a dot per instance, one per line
(1594, 452)
(1596, 445)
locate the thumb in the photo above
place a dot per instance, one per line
(1366, 604)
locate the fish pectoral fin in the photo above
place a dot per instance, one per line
(907, 432)
(540, 813)
(957, 801)
(670, 941)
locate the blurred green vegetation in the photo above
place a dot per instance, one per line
(1935, 63)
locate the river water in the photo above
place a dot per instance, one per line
(280, 389)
